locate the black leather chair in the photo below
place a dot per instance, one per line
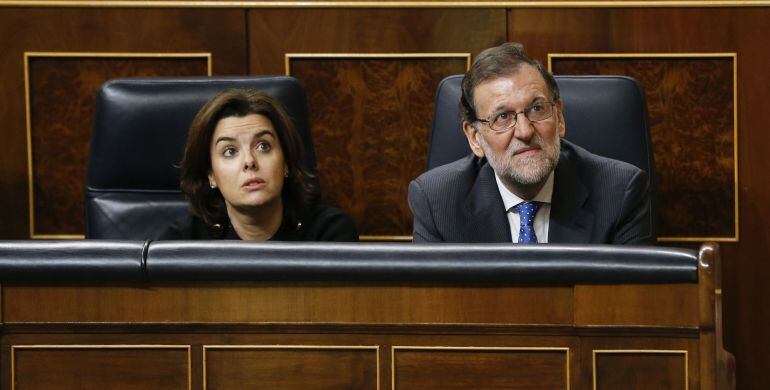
(140, 129)
(607, 115)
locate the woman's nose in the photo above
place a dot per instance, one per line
(249, 162)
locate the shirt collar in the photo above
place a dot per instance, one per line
(510, 199)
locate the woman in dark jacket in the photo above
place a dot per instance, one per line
(244, 175)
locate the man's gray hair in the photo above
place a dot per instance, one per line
(497, 62)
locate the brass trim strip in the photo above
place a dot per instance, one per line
(647, 351)
(385, 4)
(727, 55)
(448, 348)
(289, 56)
(376, 348)
(386, 238)
(28, 110)
(105, 346)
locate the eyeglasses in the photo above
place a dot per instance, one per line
(504, 121)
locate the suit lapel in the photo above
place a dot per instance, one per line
(484, 211)
(569, 221)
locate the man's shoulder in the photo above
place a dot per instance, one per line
(449, 176)
(596, 166)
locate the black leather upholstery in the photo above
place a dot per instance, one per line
(72, 260)
(607, 115)
(273, 261)
(550, 264)
(138, 138)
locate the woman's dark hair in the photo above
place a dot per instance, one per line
(300, 189)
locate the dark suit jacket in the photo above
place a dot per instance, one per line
(317, 223)
(595, 200)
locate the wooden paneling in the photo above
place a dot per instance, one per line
(628, 370)
(100, 367)
(697, 30)
(664, 305)
(371, 122)
(60, 126)
(480, 368)
(370, 118)
(220, 32)
(692, 116)
(288, 302)
(291, 367)
(271, 33)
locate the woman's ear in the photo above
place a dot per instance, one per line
(212, 181)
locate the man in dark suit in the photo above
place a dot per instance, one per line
(524, 183)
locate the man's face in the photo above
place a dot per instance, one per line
(524, 156)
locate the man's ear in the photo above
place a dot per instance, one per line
(473, 138)
(560, 114)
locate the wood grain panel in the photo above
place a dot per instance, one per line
(640, 370)
(287, 367)
(100, 367)
(274, 33)
(479, 368)
(697, 30)
(371, 119)
(62, 93)
(289, 302)
(220, 32)
(367, 170)
(692, 116)
(661, 305)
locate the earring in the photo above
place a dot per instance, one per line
(212, 185)
(286, 173)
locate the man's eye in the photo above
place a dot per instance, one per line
(537, 107)
(503, 116)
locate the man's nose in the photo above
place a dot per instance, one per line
(524, 129)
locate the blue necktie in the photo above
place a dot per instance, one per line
(527, 211)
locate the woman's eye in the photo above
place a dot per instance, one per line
(263, 147)
(228, 152)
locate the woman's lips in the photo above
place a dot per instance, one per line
(254, 184)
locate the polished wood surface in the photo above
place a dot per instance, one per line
(291, 367)
(362, 335)
(255, 42)
(371, 132)
(56, 119)
(641, 370)
(219, 32)
(288, 302)
(691, 116)
(477, 368)
(100, 367)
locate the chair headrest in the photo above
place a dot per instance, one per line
(141, 125)
(607, 115)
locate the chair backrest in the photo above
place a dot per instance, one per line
(607, 115)
(138, 138)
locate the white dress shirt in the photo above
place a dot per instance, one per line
(510, 200)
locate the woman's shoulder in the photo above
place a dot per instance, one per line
(190, 227)
(326, 223)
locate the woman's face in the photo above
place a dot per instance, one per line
(247, 162)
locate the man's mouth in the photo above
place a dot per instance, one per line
(526, 151)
